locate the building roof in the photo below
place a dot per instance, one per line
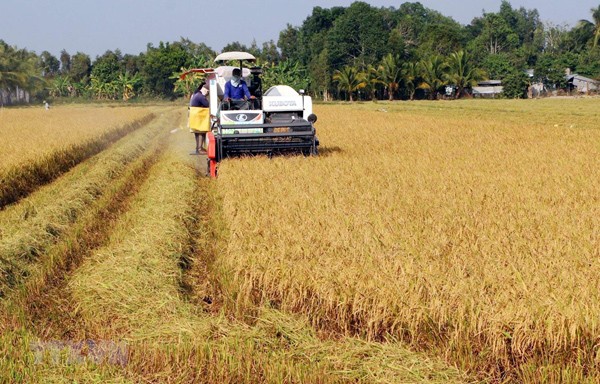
(572, 77)
(489, 83)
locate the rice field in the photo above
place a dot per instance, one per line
(39, 145)
(429, 242)
(30, 133)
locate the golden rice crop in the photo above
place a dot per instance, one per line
(470, 228)
(28, 229)
(31, 133)
(40, 146)
(130, 290)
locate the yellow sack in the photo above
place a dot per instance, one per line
(199, 119)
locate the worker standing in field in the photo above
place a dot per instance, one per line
(236, 92)
(199, 116)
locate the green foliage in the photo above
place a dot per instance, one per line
(60, 86)
(358, 37)
(319, 75)
(287, 43)
(19, 68)
(285, 72)
(550, 71)
(390, 71)
(515, 85)
(81, 67)
(433, 75)
(158, 66)
(349, 80)
(461, 72)
(589, 63)
(590, 30)
(410, 76)
(49, 64)
(373, 80)
(107, 67)
(497, 66)
(394, 52)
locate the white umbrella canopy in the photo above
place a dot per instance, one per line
(235, 55)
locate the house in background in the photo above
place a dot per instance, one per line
(488, 89)
(582, 84)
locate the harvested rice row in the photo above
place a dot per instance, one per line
(41, 304)
(41, 312)
(21, 180)
(27, 229)
(130, 291)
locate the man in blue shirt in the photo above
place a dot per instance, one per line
(236, 92)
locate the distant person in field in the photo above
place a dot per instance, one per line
(199, 116)
(46, 105)
(236, 94)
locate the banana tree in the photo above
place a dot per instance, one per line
(189, 83)
(60, 86)
(127, 84)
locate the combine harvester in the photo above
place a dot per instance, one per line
(278, 121)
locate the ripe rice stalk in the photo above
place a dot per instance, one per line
(468, 228)
(24, 170)
(130, 290)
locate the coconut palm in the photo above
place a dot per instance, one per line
(391, 73)
(410, 76)
(372, 78)
(433, 75)
(18, 69)
(461, 73)
(592, 28)
(350, 80)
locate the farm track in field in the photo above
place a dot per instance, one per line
(18, 182)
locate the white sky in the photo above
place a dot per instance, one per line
(93, 27)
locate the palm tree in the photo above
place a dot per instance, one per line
(391, 73)
(410, 75)
(461, 73)
(372, 78)
(592, 28)
(433, 74)
(18, 69)
(349, 79)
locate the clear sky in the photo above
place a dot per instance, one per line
(93, 26)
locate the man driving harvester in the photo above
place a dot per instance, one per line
(236, 93)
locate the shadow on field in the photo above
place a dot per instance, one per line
(328, 151)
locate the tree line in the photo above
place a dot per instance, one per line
(355, 52)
